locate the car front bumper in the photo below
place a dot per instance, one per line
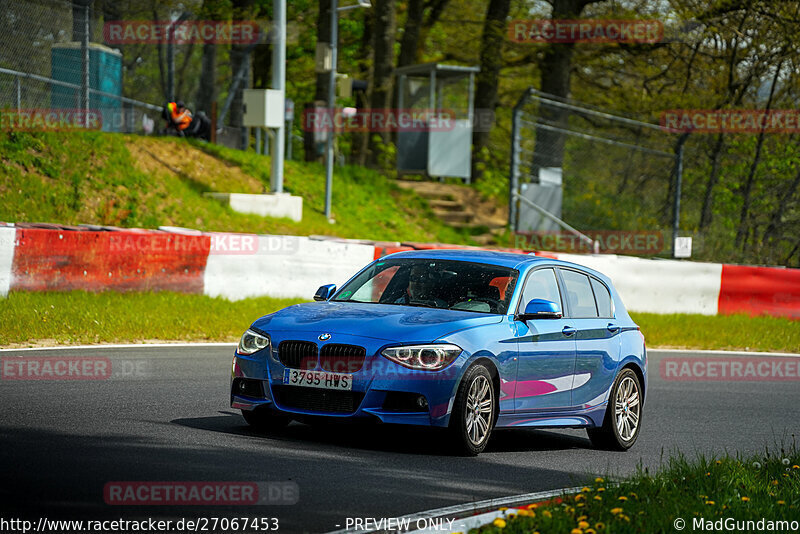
(381, 390)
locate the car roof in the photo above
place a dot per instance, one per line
(492, 257)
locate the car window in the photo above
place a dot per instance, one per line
(579, 294)
(374, 288)
(433, 283)
(541, 284)
(603, 299)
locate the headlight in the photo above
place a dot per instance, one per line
(252, 342)
(424, 357)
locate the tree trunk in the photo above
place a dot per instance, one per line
(242, 10)
(706, 212)
(555, 68)
(207, 90)
(409, 44)
(494, 34)
(744, 216)
(382, 68)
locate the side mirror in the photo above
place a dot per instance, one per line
(540, 309)
(325, 292)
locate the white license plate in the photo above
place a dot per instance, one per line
(317, 379)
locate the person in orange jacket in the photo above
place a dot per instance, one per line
(180, 115)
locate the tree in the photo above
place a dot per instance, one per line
(494, 32)
(383, 38)
(555, 69)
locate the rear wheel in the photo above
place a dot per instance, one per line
(474, 412)
(623, 416)
(265, 419)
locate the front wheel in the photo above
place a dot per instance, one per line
(473, 414)
(264, 419)
(623, 416)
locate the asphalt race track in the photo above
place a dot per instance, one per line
(164, 416)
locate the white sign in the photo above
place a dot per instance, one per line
(683, 247)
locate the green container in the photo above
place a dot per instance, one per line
(105, 74)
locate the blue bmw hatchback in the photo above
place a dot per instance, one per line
(466, 340)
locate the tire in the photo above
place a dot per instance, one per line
(623, 418)
(265, 419)
(474, 412)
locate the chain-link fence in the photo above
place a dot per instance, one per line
(109, 65)
(54, 75)
(572, 165)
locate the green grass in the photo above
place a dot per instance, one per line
(725, 332)
(712, 489)
(79, 317)
(108, 317)
(111, 179)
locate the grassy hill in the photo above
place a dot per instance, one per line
(133, 181)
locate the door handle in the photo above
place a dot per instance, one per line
(568, 331)
(612, 327)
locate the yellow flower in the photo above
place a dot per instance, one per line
(598, 498)
(708, 474)
(719, 462)
(583, 525)
(547, 514)
(624, 517)
(745, 499)
(576, 531)
(634, 495)
(774, 482)
(579, 496)
(710, 503)
(590, 531)
(616, 511)
(532, 506)
(503, 509)
(523, 513)
(600, 489)
(511, 516)
(599, 480)
(580, 505)
(586, 489)
(781, 502)
(499, 523)
(796, 467)
(600, 526)
(623, 498)
(582, 518)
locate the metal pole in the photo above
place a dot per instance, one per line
(676, 214)
(258, 141)
(331, 109)
(85, 61)
(19, 94)
(171, 63)
(513, 181)
(245, 131)
(278, 83)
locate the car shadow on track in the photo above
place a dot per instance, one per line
(404, 439)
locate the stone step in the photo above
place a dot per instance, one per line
(451, 217)
(446, 205)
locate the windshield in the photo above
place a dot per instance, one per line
(443, 284)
